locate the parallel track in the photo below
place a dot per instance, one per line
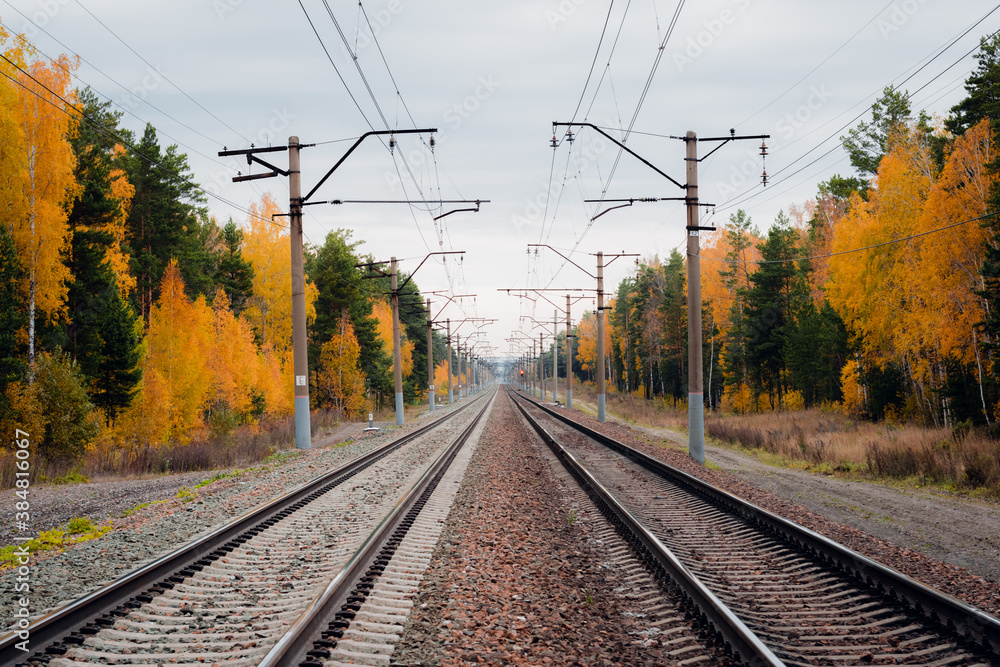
(805, 598)
(221, 588)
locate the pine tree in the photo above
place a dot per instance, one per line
(163, 223)
(868, 143)
(983, 89)
(118, 370)
(769, 310)
(234, 274)
(13, 315)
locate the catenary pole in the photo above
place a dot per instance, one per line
(569, 361)
(600, 338)
(303, 434)
(397, 363)
(696, 408)
(451, 393)
(555, 356)
(430, 356)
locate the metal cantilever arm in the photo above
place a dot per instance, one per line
(624, 148)
(356, 144)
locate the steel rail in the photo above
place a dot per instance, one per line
(741, 640)
(293, 646)
(125, 593)
(971, 623)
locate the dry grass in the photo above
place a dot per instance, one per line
(635, 409)
(829, 441)
(243, 446)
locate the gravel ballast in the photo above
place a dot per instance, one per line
(946, 577)
(517, 578)
(59, 577)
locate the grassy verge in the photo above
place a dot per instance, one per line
(77, 530)
(829, 442)
(243, 446)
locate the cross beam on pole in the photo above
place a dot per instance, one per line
(696, 396)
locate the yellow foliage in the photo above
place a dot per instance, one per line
(738, 399)
(277, 382)
(382, 312)
(122, 191)
(339, 380)
(854, 402)
(441, 382)
(266, 246)
(586, 351)
(717, 290)
(44, 168)
(914, 303)
(793, 400)
(234, 364)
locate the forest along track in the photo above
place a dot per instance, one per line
(807, 610)
(230, 596)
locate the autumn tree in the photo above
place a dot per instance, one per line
(867, 144)
(340, 289)
(55, 408)
(982, 88)
(914, 305)
(233, 273)
(164, 221)
(340, 383)
(45, 170)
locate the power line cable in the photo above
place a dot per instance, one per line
(728, 205)
(111, 135)
(824, 61)
(593, 63)
(123, 109)
(848, 252)
(334, 65)
(165, 77)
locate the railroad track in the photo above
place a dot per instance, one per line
(240, 593)
(777, 593)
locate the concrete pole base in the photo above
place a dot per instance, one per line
(432, 400)
(696, 428)
(569, 399)
(303, 434)
(399, 409)
(600, 408)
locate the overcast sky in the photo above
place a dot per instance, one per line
(492, 77)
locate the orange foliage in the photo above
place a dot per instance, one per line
(267, 247)
(718, 289)
(44, 168)
(197, 358)
(339, 380)
(914, 302)
(586, 351)
(441, 382)
(382, 312)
